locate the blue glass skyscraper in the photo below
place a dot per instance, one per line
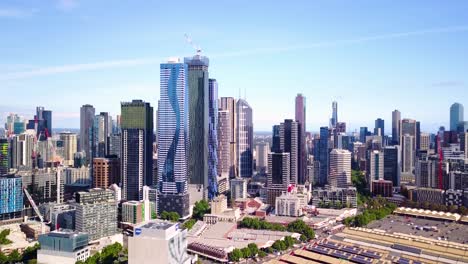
(456, 115)
(323, 155)
(11, 197)
(173, 139)
(212, 138)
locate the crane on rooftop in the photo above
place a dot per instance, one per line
(189, 40)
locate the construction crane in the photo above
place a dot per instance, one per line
(36, 210)
(197, 48)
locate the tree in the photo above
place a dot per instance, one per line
(235, 255)
(154, 215)
(253, 249)
(14, 256)
(246, 252)
(200, 209)
(463, 210)
(3, 237)
(189, 224)
(171, 216)
(262, 254)
(452, 209)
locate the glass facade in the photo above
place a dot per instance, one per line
(137, 148)
(173, 136)
(244, 139)
(4, 156)
(11, 196)
(323, 156)
(64, 241)
(212, 139)
(456, 116)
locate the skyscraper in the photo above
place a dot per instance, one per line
(278, 177)
(4, 156)
(224, 142)
(173, 138)
(137, 148)
(106, 171)
(197, 83)
(212, 139)
(276, 139)
(262, 149)
(229, 104)
(102, 128)
(289, 143)
(418, 135)
(86, 123)
(244, 135)
(392, 164)
(363, 131)
(407, 153)
(334, 118)
(323, 155)
(376, 166)
(340, 168)
(396, 119)
(408, 126)
(456, 115)
(69, 144)
(379, 129)
(42, 123)
(302, 151)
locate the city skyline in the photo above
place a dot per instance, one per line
(344, 62)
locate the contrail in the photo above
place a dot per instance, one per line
(70, 68)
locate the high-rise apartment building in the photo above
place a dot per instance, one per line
(464, 144)
(137, 148)
(376, 171)
(197, 84)
(340, 168)
(426, 172)
(229, 104)
(96, 213)
(289, 143)
(87, 113)
(244, 136)
(4, 156)
(396, 120)
(102, 128)
(224, 142)
(456, 115)
(407, 153)
(334, 118)
(408, 127)
(425, 141)
(70, 142)
(262, 149)
(302, 149)
(11, 194)
(173, 139)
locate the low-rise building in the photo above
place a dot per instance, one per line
(329, 196)
(64, 247)
(168, 239)
(383, 188)
(290, 204)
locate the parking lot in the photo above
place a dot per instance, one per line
(451, 231)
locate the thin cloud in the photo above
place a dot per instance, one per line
(67, 5)
(16, 13)
(77, 68)
(139, 61)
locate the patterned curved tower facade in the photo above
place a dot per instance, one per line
(173, 139)
(212, 139)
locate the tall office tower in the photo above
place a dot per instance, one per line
(464, 144)
(224, 142)
(11, 193)
(173, 138)
(198, 83)
(4, 156)
(278, 177)
(376, 166)
(238, 187)
(106, 171)
(276, 139)
(363, 134)
(425, 141)
(229, 104)
(334, 118)
(137, 148)
(212, 139)
(462, 127)
(323, 153)
(86, 124)
(456, 115)
(426, 171)
(244, 136)
(379, 129)
(96, 213)
(418, 135)
(101, 133)
(69, 145)
(115, 144)
(407, 153)
(302, 151)
(262, 149)
(340, 127)
(392, 164)
(408, 126)
(43, 123)
(289, 143)
(340, 168)
(396, 119)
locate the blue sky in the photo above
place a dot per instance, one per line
(371, 56)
